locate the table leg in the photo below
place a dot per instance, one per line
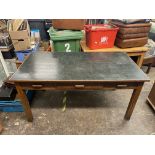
(1, 127)
(133, 100)
(25, 102)
(149, 67)
(140, 60)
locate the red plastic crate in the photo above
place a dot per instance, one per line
(100, 36)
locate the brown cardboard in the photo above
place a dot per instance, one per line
(132, 35)
(69, 24)
(19, 34)
(127, 43)
(17, 23)
(20, 39)
(23, 34)
(21, 44)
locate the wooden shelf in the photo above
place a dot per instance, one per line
(114, 49)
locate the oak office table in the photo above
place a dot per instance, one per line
(136, 51)
(78, 71)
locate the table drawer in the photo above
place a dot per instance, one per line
(78, 85)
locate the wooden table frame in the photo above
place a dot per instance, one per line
(78, 85)
(136, 51)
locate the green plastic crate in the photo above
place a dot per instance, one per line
(65, 40)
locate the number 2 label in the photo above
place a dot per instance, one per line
(67, 45)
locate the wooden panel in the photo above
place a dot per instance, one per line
(17, 23)
(25, 102)
(114, 49)
(151, 97)
(78, 85)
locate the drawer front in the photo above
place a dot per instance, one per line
(78, 85)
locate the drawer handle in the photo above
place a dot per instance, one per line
(79, 86)
(37, 86)
(121, 86)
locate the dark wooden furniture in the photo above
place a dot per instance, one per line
(78, 71)
(1, 127)
(149, 61)
(151, 97)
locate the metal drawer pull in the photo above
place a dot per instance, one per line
(37, 86)
(79, 86)
(122, 86)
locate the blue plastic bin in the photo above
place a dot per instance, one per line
(21, 54)
(16, 105)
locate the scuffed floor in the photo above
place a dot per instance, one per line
(93, 112)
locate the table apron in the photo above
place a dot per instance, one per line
(135, 53)
(78, 85)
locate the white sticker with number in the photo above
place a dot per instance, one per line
(67, 45)
(104, 39)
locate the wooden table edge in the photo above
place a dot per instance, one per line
(70, 81)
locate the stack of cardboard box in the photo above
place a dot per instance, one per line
(69, 24)
(20, 34)
(131, 34)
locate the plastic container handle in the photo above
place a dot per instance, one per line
(87, 28)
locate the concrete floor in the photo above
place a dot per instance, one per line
(93, 112)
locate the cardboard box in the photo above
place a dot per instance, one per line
(21, 44)
(69, 24)
(20, 38)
